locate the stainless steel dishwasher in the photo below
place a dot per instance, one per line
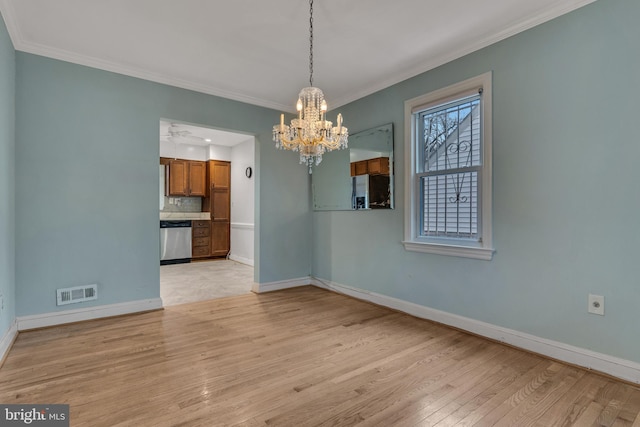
(175, 242)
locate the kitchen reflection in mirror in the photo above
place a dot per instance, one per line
(359, 178)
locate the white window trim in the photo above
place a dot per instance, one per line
(455, 247)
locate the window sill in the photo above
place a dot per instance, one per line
(450, 250)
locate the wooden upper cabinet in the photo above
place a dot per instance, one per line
(185, 178)
(220, 173)
(197, 178)
(378, 166)
(176, 178)
(361, 167)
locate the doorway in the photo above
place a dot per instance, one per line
(209, 275)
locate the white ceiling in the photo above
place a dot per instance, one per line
(197, 135)
(258, 51)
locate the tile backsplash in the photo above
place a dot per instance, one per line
(183, 204)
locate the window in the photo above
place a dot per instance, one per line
(448, 170)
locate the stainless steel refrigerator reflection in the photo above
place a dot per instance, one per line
(360, 192)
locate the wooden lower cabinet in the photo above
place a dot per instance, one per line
(200, 239)
(220, 238)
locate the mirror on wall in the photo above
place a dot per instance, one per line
(359, 178)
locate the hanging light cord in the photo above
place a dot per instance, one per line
(310, 42)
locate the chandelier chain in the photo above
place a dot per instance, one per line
(310, 42)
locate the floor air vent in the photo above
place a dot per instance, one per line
(77, 294)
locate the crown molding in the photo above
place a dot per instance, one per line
(63, 55)
(434, 62)
(9, 17)
(20, 44)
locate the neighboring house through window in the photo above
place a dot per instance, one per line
(448, 170)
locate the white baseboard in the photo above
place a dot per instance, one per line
(283, 284)
(611, 365)
(7, 341)
(87, 313)
(241, 260)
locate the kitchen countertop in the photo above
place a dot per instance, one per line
(184, 215)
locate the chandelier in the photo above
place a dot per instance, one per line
(310, 133)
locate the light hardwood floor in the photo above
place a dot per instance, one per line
(300, 357)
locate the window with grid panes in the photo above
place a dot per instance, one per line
(450, 170)
(450, 148)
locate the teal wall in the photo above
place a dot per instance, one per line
(565, 196)
(81, 166)
(7, 178)
(87, 177)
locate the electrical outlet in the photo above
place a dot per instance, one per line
(596, 304)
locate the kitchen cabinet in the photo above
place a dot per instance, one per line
(185, 178)
(361, 167)
(200, 239)
(377, 166)
(197, 178)
(176, 178)
(218, 202)
(220, 242)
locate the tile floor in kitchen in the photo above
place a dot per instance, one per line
(203, 280)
